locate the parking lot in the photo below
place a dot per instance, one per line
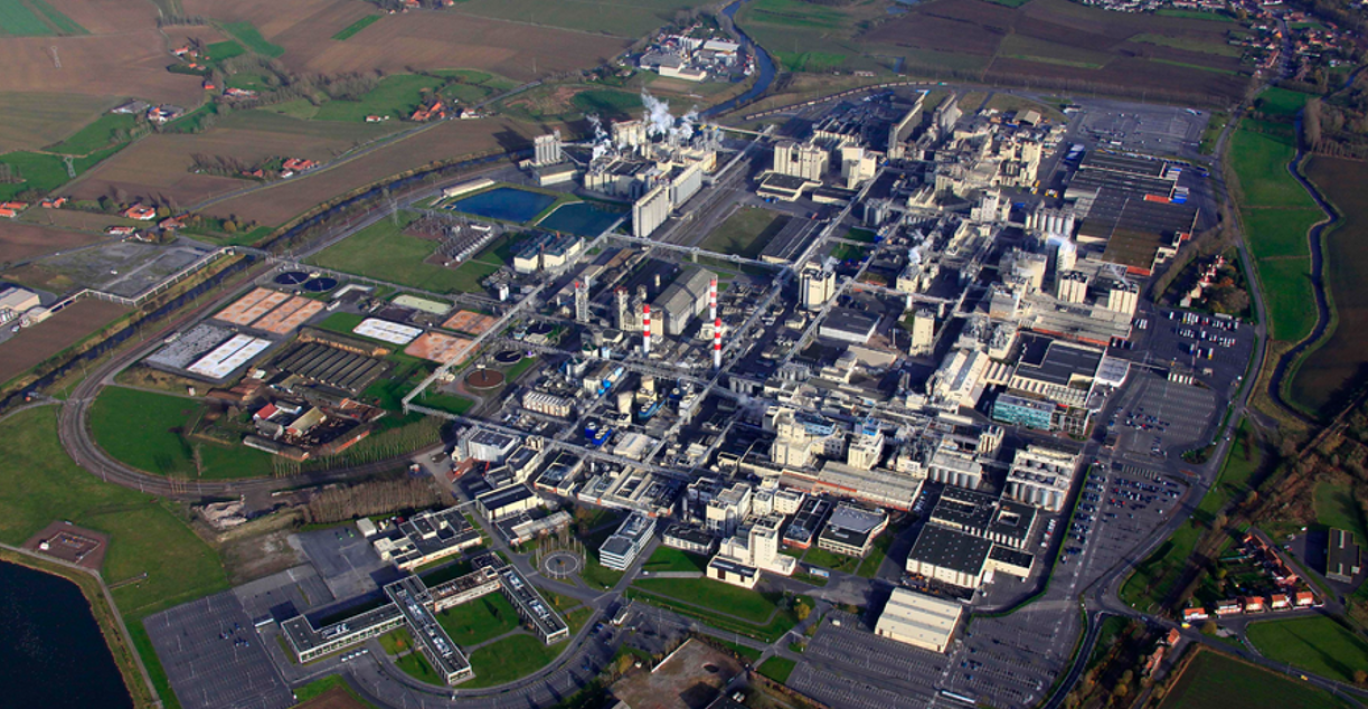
(847, 666)
(1143, 127)
(214, 657)
(285, 594)
(1158, 420)
(1118, 508)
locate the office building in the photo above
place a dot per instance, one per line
(852, 529)
(1021, 411)
(621, 549)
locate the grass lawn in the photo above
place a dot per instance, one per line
(1286, 285)
(384, 252)
(751, 606)
(45, 173)
(834, 562)
(396, 641)
(508, 659)
(874, 559)
(155, 439)
(97, 135)
(577, 618)
(227, 49)
(1317, 644)
(1153, 578)
(1239, 466)
(357, 26)
(396, 96)
(607, 102)
(745, 232)
(1260, 152)
(864, 235)
(849, 252)
(323, 686)
(1280, 102)
(596, 574)
(40, 484)
(671, 559)
(1215, 680)
(1215, 124)
(770, 632)
(417, 667)
(1279, 232)
(449, 403)
(778, 669)
(1336, 507)
(247, 33)
(482, 619)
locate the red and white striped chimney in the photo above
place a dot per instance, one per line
(717, 343)
(646, 328)
(712, 299)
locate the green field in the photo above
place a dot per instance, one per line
(1155, 577)
(100, 134)
(396, 641)
(18, 20)
(227, 49)
(1215, 681)
(383, 252)
(1280, 102)
(155, 440)
(396, 96)
(247, 33)
(607, 102)
(745, 232)
(751, 606)
(480, 620)
(1336, 507)
(1279, 232)
(793, 13)
(1316, 644)
(778, 669)
(1189, 44)
(508, 659)
(811, 61)
(1291, 304)
(320, 686)
(357, 26)
(670, 559)
(449, 403)
(1260, 152)
(1237, 470)
(44, 173)
(41, 484)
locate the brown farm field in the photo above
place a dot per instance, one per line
(448, 141)
(127, 64)
(33, 120)
(34, 344)
(75, 220)
(158, 167)
(1046, 43)
(417, 39)
(20, 242)
(108, 16)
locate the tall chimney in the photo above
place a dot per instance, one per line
(717, 343)
(712, 299)
(646, 328)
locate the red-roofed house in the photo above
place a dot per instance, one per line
(57, 203)
(1305, 598)
(1191, 614)
(120, 230)
(265, 412)
(141, 213)
(1278, 601)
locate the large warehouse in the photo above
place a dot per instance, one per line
(920, 620)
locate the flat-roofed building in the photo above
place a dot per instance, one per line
(688, 538)
(953, 463)
(949, 556)
(879, 487)
(807, 521)
(919, 620)
(1342, 557)
(851, 530)
(1041, 477)
(725, 511)
(426, 537)
(621, 549)
(986, 516)
(506, 502)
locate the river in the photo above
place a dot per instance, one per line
(763, 63)
(52, 654)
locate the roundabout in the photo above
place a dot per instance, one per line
(561, 564)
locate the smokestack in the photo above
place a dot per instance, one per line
(712, 299)
(717, 343)
(646, 329)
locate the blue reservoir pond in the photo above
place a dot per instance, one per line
(508, 204)
(581, 219)
(53, 655)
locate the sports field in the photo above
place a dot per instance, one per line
(384, 252)
(1317, 644)
(1215, 681)
(157, 440)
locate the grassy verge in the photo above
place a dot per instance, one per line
(778, 669)
(509, 659)
(670, 559)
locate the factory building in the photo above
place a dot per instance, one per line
(985, 516)
(1041, 477)
(506, 502)
(919, 620)
(682, 300)
(817, 286)
(1342, 557)
(805, 161)
(852, 530)
(649, 212)
(741, 557)
(725, 511)
(951, 463)
(1021, 411)
(547, 149)
(548, 404)
(923, 332)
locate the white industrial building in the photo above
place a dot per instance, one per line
(1041, 477)
(919, 620)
